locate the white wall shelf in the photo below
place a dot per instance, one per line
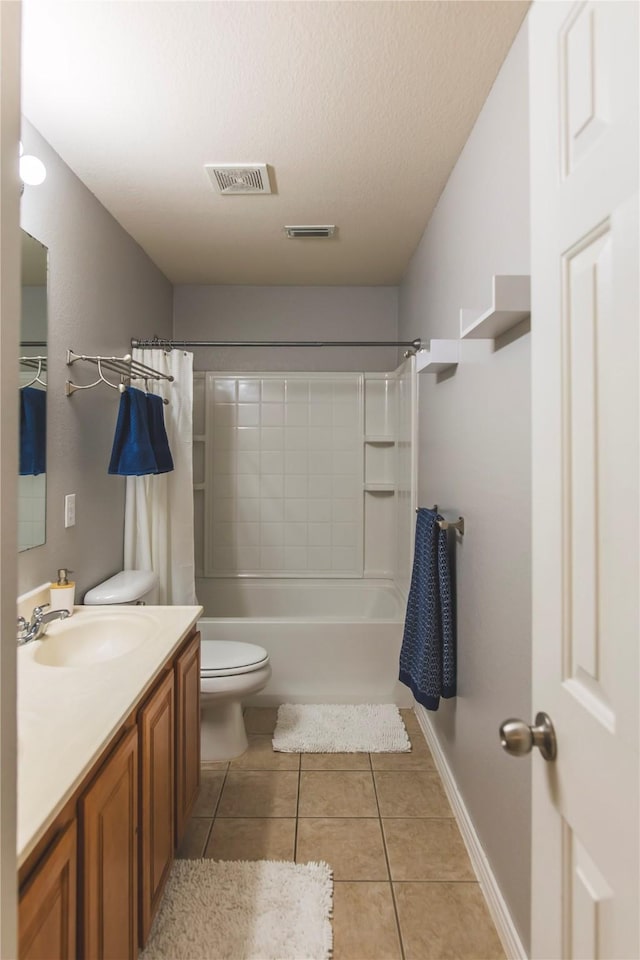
(380, 439)
(380, 487)
(510, 304)
(441, 356)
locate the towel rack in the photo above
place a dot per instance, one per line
(449, 524)
(39, 364)
(126, 367)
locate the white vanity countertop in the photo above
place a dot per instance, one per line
(68, 715)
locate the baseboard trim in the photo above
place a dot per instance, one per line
(489, 885)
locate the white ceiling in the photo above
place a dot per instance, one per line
(361, 108)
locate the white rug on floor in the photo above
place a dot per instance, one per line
(236, 910)
(340, 728)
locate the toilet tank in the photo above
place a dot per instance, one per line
(128, 586)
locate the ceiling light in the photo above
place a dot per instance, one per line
(32, 171)
(310, 231)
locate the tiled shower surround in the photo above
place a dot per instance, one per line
(406, 470)
(284, 475)
(303, 474)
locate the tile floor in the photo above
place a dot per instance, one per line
(404, 887)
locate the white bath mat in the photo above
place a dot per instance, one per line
(340, 728)
(236, 910)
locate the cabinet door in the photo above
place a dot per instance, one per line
(109, 831)
(47, 910)
(157, 736)
(187, 733)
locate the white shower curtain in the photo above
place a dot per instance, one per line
(158, 527)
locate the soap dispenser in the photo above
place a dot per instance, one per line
(63, 592)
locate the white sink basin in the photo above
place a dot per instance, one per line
(86, 639)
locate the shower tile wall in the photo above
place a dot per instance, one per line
(278, 473)
(390, 471)
(406, 472)
(379, 474)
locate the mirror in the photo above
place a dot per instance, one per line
(32, 483)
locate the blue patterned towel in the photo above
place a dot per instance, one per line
(427, 657)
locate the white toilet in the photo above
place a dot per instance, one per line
(229, 672)
(128, 586)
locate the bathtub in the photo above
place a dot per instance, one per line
(329, 641)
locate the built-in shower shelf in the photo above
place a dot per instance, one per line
(199, 438)
(198, 486)
(510, 304)
(380, 487)
(442, 355)
(373, 438)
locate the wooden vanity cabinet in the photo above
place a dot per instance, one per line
(187, 686)
(48, 916)
(109, 876)
(156, 723)
(92, 885)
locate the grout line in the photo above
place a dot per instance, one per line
(226, 774)
(386, 857)
(215, 812)
(295, 837)
(193, 818)
(207, 838)
(468, 882)
(443, 819)
(254, 816)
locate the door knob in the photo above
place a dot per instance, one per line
(517, 738)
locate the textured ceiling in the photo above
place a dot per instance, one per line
(361, 108)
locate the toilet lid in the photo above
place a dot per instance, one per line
(220, 658)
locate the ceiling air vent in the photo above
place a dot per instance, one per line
(299, 232)
(237, 178)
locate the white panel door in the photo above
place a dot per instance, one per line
(585, 321)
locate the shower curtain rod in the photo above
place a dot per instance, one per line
(180, 344)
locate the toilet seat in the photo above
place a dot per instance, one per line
(224, 658)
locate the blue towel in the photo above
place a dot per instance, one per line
(158, 434)
(427, 657)
(33, 431)
(132, 454)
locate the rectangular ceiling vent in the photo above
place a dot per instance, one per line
(307, 230)
(232, 179)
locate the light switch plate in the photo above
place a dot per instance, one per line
(70, 510)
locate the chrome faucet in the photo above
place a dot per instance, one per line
(39, 623)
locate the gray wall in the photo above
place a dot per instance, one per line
(103, 289)
(288, 313)
(474, 459)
